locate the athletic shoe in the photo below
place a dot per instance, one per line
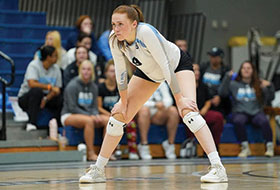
(93, 175)
(133, 156)
(214, 186)
(30, 127)
(217, 173)
(245, 150)
(269, 149)
(169, 150)
(144, 152)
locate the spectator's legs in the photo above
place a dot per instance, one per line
(144, 122)
(239, 120)
(170, 117)
(215, 121)
(261, 121)
(55, 105)
(30, 102)
(87, 123)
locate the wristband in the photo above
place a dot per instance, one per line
(49, 87)
(45, 98)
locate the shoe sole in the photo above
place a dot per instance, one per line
(96, 181)
(214, 181)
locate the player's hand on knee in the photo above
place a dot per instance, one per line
(120, 108)
(186, 104)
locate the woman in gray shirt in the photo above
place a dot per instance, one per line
(249, 95)
(80, 108)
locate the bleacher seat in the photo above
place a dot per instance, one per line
(157, 134)
(9, 5)
(254, 135)
(36, 32)
(17, 46)
(17, 17)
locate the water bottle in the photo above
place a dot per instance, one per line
(53, 129)
(83, 148)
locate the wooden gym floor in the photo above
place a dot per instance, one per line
(254, 173)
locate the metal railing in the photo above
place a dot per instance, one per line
(5, 83)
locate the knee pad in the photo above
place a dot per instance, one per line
(194, 121)
(115, 127)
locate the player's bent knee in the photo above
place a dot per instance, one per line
(194, 121)
(115, 127)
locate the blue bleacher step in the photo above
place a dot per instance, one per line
(17, 17)
(21, 61)
(254, 135)
(9, 5)
(157, 134)
(21, 46)
(23, 31)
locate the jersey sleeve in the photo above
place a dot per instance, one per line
(119, 61)
(154, 42)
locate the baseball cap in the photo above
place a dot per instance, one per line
(216, 51)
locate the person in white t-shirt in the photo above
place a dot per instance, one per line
(156, 60)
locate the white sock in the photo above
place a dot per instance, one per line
(214, 158)
(101, 162)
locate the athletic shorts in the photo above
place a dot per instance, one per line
(64, 117)
(185, 63)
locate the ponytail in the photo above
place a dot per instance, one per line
(139, 12)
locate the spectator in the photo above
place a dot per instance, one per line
(53, 39)
(41, 86)
(83, 24)
(160, 111)
(71, 70)
(249, 95)
(212, 73)
(103, 44)
(107, 98)
(83, 40)
(214, 119)
(182, 44)
(80, 108)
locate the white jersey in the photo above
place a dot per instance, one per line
(151, 53)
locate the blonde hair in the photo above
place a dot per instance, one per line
(56, 42)
(91, 66)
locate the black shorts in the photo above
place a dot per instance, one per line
(185, 63)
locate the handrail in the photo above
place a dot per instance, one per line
(5, 83)
(6, 57)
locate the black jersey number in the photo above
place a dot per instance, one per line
(136, 62)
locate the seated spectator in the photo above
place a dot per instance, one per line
(41, 86)
(83, 24)
(214, 119)
(83, 40)
(103, 44)
(107, 98)
(53, 39)
(71, 70)
(249, 95)
(212, 73)
(80, 108)
(158, 110)
(182, 44)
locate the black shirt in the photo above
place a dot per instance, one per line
(109, 98)
(202, 95)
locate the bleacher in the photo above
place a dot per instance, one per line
(21, 33)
